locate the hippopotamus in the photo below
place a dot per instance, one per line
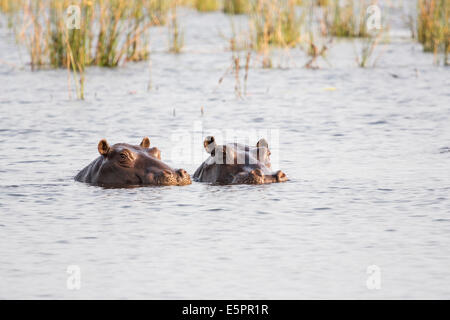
(123, 165)
(235, 163)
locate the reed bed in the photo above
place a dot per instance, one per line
(227, 6)
(276, 23)
(236, 6)
(433, 29)
(207, 5)
(110, 32)
(11, 10)
(114, 32)
(345, 18)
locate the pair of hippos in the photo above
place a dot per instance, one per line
(125, 165)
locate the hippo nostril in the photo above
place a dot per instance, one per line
(281, 176)
(182, 173)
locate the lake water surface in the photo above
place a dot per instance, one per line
(366, 151)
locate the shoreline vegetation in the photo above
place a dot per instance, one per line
(110, 33)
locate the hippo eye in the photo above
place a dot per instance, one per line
(126, 159)
(125, 156)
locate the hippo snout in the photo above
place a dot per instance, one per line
(168, 177)
(182, 173)
(183, 177)
(281, 176)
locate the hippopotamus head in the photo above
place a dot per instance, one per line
(237, 164)
(122, 165)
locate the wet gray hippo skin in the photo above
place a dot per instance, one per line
(237, 164)
(123, 165)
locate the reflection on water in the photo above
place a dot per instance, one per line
(368, 165)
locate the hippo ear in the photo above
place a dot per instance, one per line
(145, 143)
(262, 143)
(209, 144)
(103, 147)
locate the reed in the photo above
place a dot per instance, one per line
(345, 18)
(207, 5)
(11, 10)
(239, 43)
(316, 49)
(433, 26)
(236, 66)
(317, 40)
(236, 6)
(322, 3)
(110, 33)
(275, 23)
(176, 37)
(368, 47)
(158, 10)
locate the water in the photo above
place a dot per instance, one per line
(366, 152)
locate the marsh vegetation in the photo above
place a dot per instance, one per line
(111, 33)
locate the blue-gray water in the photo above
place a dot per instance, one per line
(366, 151)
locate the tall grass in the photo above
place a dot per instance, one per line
(176, 37)
(345, 18)
(111, 32)
(236, 6)
(433, 26)
(207, 5)
(276, 23)
(11, 9)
